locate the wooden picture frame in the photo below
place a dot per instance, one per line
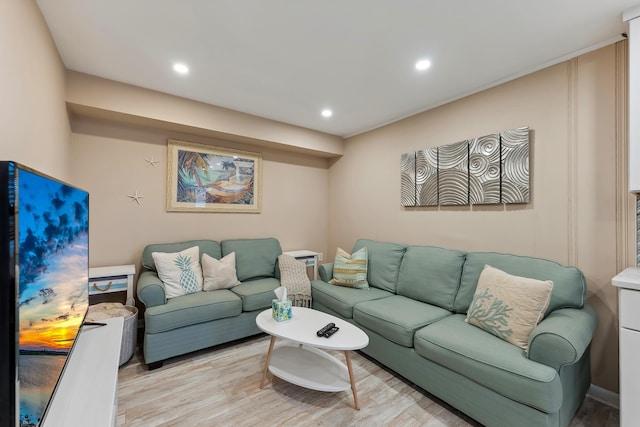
(203, 178)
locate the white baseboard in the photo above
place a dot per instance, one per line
(606, 397)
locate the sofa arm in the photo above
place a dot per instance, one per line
(150, 289)
(563, 336)
(326, 272)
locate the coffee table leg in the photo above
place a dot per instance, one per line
(266, 363)
(353, 382)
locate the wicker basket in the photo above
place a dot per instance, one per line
(129, 335)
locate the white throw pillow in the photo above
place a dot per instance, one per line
(219, 274)
(180, 271)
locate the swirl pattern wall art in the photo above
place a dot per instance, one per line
(491, 169)
(427, 177)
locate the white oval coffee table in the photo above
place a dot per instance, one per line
(301, 361)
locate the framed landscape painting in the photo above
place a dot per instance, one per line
(202, 178)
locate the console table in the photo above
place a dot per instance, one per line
(629, 318)
(87, 394)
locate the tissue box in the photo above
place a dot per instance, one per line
(281, 310)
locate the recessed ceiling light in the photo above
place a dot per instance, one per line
(327, 113)
(180, 68)
(423, 64)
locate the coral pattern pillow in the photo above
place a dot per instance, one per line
(350, 269)
(219, 274)
(180, 271)
(509, 307)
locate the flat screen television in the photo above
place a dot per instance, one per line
(44, 266)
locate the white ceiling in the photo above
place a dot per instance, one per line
(287, 60)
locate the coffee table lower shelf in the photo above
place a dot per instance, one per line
(309, 367)
(302, 357)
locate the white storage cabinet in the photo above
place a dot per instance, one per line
(629, 318)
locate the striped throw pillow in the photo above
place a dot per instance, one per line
(350, 270)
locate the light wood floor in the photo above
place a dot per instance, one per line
(220, 387)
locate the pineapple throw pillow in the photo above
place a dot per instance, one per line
(180, 271)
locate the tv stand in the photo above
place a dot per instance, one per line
(94, 324)
(87, 394)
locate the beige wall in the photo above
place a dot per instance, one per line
(571, 110)
(109, 161)
(94, 96)
(33, 115)
(580, 213)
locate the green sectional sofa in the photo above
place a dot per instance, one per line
(414, 314)
(199, 320)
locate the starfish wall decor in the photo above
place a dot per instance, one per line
(137, 197)
(151, 162)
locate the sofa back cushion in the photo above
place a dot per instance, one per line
(431, 274)
(384, 262)
(255, 258)
(569, 287)
(209, 247)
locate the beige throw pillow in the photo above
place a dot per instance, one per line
(509, 306)
(219, 274)
(180, 271)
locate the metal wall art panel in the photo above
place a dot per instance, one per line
(408, 179)
(491, 169)
(427, 177)
(515, 165)
(453, 174)
(484, 170)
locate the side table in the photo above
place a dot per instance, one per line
(310, 258)
(104, 282)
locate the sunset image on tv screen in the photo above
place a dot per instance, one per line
(53, 294)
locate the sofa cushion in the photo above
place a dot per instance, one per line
(219, 274)
(180, 272)
(397, 318)
(256, 294)
(384, 262)
(209, 247)
(490, 361)
(340, 299)
(508, 306)
(350, 270)
(255, 258)
(431, 274)
(569, 287)
(191, 309)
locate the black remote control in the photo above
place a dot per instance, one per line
(324, 330)
(331, 332)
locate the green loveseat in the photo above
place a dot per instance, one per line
(199, 320)
(414, 314)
